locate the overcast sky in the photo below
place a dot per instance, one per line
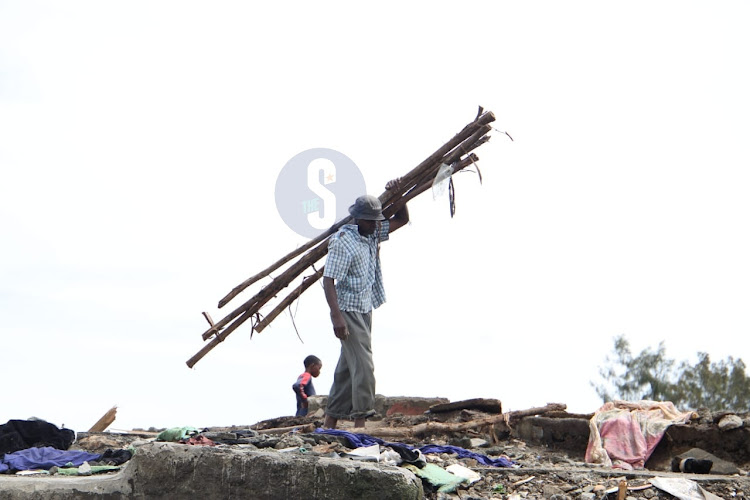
(140, 144)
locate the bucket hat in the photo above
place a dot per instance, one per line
(367, 207)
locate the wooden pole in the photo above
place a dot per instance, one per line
(253, 305)
(421, 430)
(468, 131)
(294, 295)
(309, 280)
(267, 272)
(415, 182)
(106, 420)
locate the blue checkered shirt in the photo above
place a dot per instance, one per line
(354, 263)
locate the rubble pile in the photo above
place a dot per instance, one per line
(450, 450)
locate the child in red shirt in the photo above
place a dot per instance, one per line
(303, 387)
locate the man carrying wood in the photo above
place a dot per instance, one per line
(353, 286)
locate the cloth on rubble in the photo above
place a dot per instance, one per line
(408, 455)
(18, 435)
(95, 469)
(113, 457)
(444, 481)
(623, 434)
(46, 458)
(199, 440)
(176, 434)
(464, 453)
(360, 440)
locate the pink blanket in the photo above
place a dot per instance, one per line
(623, 434)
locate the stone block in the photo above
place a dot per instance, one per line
(176, 471)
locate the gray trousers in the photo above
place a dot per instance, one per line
(353, 391)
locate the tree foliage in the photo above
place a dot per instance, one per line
(651, 375)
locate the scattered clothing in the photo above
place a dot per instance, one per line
(46, 458)
(360, 440)
(199, 440)
(176, 434)
(94, 469)
(18, 435)
(408, 455)
(464, 453)
(114, 457)
(444, 481)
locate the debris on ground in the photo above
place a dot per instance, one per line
(460, 451)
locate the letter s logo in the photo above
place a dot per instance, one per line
(314, 189)
(327, 168)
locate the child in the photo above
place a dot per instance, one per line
(303, 387)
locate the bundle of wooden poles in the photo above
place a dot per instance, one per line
(456, 153)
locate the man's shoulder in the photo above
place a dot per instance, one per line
(343, 237)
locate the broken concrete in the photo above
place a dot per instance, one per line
(177, 471)
(548, 450)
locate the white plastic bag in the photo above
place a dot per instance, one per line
(441, 180)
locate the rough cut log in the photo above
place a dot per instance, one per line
(458, 140)
(310, 280)
(106, 420)
(306, 283)
(284, 430)
(415, 182)
(267, 272)
(254, 303)
(503, 420)
(481, 404)
(467, 131)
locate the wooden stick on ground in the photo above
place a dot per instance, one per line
(283, 430)
(421, 430)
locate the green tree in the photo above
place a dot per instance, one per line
(721, 385)
(651, 375)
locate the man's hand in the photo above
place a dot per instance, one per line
(339, 326)
(393, 184)
(401, 217)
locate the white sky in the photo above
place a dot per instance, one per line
(140, 144)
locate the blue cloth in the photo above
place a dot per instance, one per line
(360, 440)
(46, 458)
(464, 453)
(354, 262)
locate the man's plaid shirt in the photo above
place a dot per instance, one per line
(354, 263)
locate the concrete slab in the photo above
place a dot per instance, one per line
(176, 471)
